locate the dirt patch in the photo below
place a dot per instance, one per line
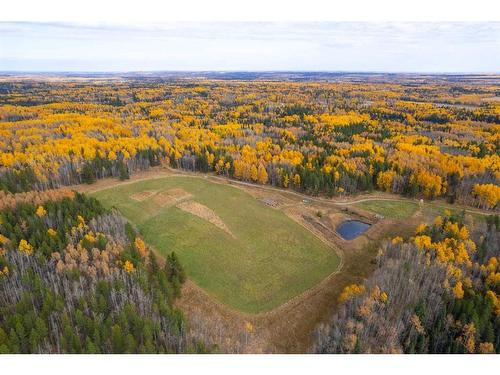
(271, 202)
(275, 201)
(143, 195)
(170, 197)
(204, 213)
(329, 233)
(269, 198)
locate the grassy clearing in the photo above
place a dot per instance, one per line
(434, 210)
(397, 210)
(268, 260)
(400, 210)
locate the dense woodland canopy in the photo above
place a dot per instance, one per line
(76, 277)
(437, 292)
(421, 137)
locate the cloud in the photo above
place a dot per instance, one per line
(350, 46)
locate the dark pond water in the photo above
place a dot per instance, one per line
(351, 229)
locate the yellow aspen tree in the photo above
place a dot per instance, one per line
(128, 266)
(296, 180)
(286, 180)
(458, 290)
(262, 174)
(384, 180)
(140, 246)
(25, 247)
(254, 175)
(486, 348)
(40, 211)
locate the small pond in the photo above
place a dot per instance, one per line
(350, 229)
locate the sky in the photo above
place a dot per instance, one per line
(252, 46)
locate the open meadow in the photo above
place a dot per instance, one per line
(401, 210)
(244, 253)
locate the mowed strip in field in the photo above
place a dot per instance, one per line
(244, 253)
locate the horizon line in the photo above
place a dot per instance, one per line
(222, 71)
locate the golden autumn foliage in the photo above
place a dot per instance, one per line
(3, 240)
(296, 180)
(423, 242)
(351, 291)
(441, 266)
(429, 183)
(455, 249)
(112, 155)
(421, 228)
(334, 137)
(495, 299)
(254, 173)
(25, 247)
(140, 246)
(4, 271)
(40, 211)
(458, 290)
(262, 174)
(9, 200)
(467, 338)
(385, 179)
(383, 297)
(128, 266)
(438, 221)
(248, 327)
(286, 181)
(93, 262)
(489, 194)
(396, 240)
(486, 348)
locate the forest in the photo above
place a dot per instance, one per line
(436, 292)
(424, 138)
(77, 277)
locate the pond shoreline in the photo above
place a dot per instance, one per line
(352, 228)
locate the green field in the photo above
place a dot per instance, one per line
(390, 209)
(400, 210)
(434, 210)
(269, 260)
